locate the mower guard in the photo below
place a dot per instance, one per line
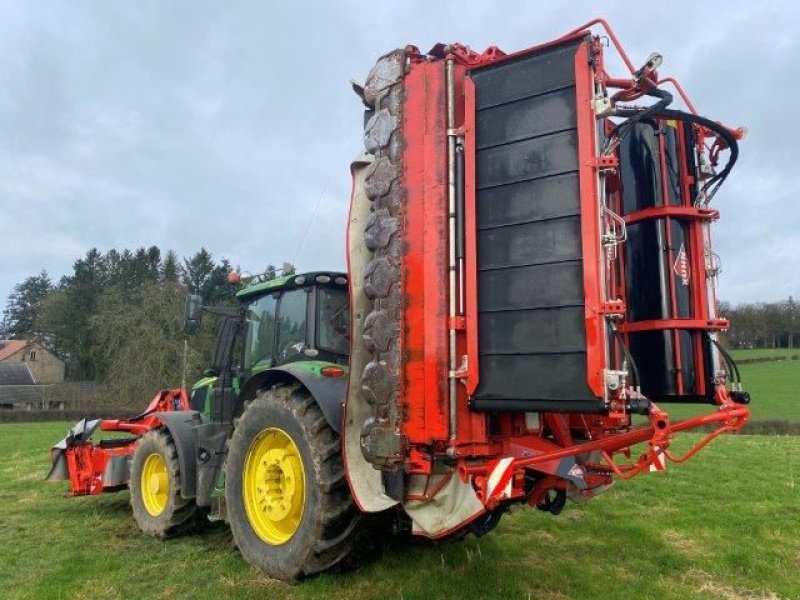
(77, 434)
(94, 468)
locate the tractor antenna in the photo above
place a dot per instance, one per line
(308, 226)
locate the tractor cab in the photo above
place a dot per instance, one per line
(281, 326)
(295, 317)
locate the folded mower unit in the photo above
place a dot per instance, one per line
(538, 269)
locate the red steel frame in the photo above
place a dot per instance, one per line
(86, 462)
(425, 345)
(694, 218)
(476, 450)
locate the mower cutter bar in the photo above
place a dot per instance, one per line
(94, 468)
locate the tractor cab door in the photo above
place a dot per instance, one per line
(292, 335)
(259, 334)
(275, 330)
(225, 362)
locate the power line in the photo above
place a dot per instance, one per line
(308, 227)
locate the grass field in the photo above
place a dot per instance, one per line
(724, 525)
(765, 353)
(774, 387)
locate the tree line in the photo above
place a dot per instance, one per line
(763, 324)
(117, 317)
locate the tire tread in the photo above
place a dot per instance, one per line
(336, 519)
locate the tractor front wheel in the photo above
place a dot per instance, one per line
(155, 485)
(288, 503)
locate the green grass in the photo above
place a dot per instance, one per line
(765, 353)
(724, 525)
(774, 388)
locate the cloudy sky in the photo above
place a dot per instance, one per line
(226, 125)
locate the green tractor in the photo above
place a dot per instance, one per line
(264, 426)
(255, 442)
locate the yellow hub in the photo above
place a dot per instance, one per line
(155, 484)
(273, 486)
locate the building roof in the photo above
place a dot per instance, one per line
(15, 374)
(9, 347)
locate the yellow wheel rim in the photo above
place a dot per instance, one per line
(273, 486)
(155, 484)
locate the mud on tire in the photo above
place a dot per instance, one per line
(179, 515)
(328, 528)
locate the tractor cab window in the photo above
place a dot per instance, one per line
(291, 325)
(334, 320)
(260, 331)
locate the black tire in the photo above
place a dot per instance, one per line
(328, 527)
(179, 515)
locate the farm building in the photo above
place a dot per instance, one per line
(45, 367)
(28, 372)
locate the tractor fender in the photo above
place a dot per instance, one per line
(328, 392)
(181, 424)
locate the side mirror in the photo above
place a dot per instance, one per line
(192, 313)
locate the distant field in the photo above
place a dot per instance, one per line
(765, 353)
(775, 389)
(724, 525)
(773, 386)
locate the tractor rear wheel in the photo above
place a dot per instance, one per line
(288, 504)
(155, 486)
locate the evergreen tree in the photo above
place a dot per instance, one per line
(137, 269)
(197, 271)
(67, 312)
(170, 268)
(24, 307)
(202, 276)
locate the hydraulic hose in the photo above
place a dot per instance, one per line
(728, 359)
(628, 357)
(723, 132)
(634, 115)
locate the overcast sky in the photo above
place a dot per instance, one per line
(188, 124)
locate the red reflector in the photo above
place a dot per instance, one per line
(332, 371)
